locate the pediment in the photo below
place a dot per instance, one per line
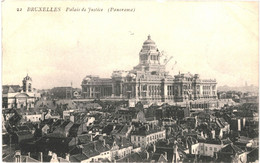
(21, 95)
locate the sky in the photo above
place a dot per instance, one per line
(218, 40)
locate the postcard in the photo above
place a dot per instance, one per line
(130, 81)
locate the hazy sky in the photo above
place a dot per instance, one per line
(215, 39)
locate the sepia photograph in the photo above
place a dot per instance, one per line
(130, 81)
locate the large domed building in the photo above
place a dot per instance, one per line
(149, 82)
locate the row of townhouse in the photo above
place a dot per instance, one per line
(145, 136)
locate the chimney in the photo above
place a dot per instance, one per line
(122, 142)
(18, 156)
(41, 158)
(29, 154)
(147, 155)
(244, 122)
(239, 125)
(154, 148)
(95, 148)
(91, 137)
(213, 134)
(168, 141)
(104, 142)
(67, 157)
(165, 154)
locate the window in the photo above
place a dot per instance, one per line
(215, 149)
(138, 138)
(210, 148)
(206, 148)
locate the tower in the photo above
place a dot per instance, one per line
(27, 84)
(149, 58)
(149, 53)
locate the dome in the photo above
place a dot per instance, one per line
(132, 75)
(27, 78)
(87, 78)
(149, 41)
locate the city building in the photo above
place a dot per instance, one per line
(146, 135)
(14, 96)
(65, 93)
(149, 81)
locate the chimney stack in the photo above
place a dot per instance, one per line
(154, 148)
(122, 142)
(165, 154)
(18, 156)
(41, 158)
(239, 125)
(67, 157)
(244, 122)
(147, 155)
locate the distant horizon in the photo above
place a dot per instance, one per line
(218, 40)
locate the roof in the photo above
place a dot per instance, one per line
(11, 158)
(93, 148)
(74, 129)
(58, 122)
(10, 89)
(78, 157)
(134, 157)
(149, 41)
(83, 139)
(125, 129)
(64, 124)
(108, 129)
(253, 155)
(226, 141)
(27, 78)
(243, 139)
(22, 128)
(231, 149)
(57, 142)
(22, 133)
(143, 131)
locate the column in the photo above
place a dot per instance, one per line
(121, 89)
(136, 91)
(90, 91)
(165, 91)
(140, 90)
(113, 90)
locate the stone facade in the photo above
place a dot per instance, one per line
(149, 81)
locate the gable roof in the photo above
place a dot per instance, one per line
(10, 89)
(233, 149)
(78, 157)
(134, 157)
